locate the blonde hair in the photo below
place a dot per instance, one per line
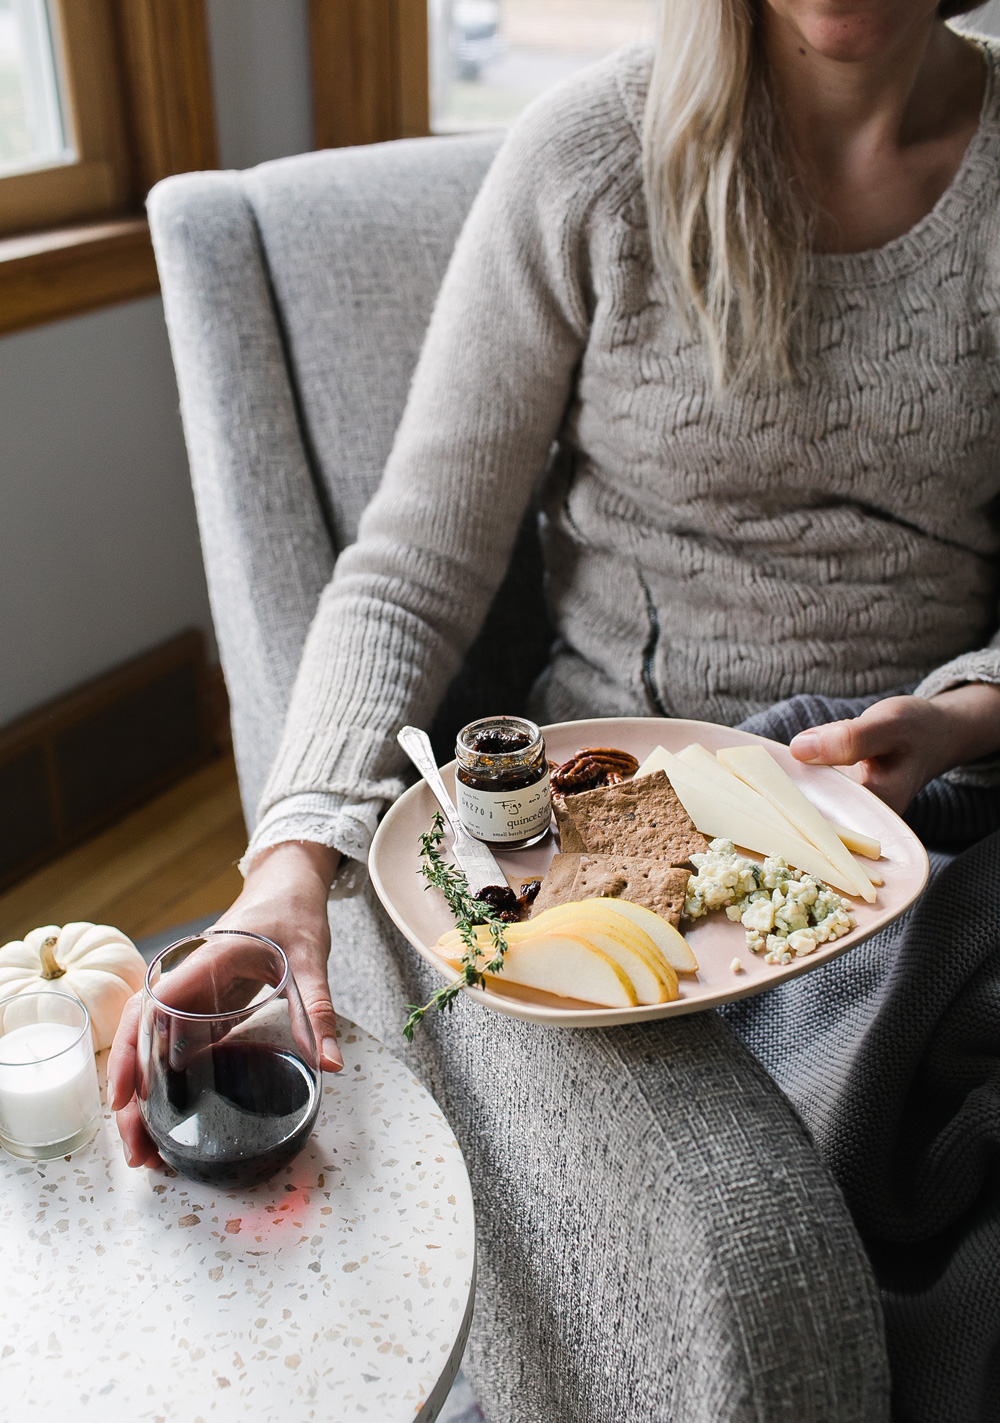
(729, 219)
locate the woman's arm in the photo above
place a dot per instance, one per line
(904, 742)
(488, 397)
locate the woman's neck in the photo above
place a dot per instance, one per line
(878, 129)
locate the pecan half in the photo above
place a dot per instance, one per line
(591, 767)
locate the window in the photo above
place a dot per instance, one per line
(32, 128)
(386, 69)
(62, 122)
(489, 58)
(98, 100)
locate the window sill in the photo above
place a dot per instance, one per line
(45, 276)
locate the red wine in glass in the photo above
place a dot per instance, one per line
(229, 1077)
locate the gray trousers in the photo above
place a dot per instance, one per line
(658, 1239)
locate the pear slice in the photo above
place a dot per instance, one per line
(644, 931)
(653, 980)
(568, 967)
(599, 913)
(452, 945)
(664, 948)
(670, 941)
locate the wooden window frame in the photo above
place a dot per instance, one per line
(144, 65)
(96, 181)
(369, 71)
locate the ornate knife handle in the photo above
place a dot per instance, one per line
(417, 746)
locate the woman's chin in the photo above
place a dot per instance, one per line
(853, 31)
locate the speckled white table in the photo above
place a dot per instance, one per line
(341, 1289)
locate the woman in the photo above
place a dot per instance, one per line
(748, 292)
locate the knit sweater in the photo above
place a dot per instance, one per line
(708, 553)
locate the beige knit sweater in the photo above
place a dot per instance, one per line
(708, 554)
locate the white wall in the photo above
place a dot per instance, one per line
(99, 555)
(260, 63)
(986, 20)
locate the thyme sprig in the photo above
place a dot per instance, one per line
(469, 912)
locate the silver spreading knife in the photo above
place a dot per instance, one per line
(471, 855)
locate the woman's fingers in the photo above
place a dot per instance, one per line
(314, 987)
(883, 730)
(121, 1060)
(891, 742)
(136, 1142)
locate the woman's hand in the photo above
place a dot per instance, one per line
(904, 742)
(285, 899)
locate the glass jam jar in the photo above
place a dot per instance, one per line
(502, 782)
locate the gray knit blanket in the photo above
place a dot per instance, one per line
(891, 1055)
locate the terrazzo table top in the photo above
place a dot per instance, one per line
(340, 1289)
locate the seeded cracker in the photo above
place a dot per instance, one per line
(639, 819)
(569, 836)
(654, 884)
(557, 886)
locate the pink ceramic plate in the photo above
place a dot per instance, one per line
(422, 915)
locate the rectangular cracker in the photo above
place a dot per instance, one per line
(569, 837)
(658, 886)
(557, 886)
(638, 819)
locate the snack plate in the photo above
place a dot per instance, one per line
(422, 915)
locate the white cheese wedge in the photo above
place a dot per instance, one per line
(701, 761)
(756, 766)
(718, 817)
(865, 845)
(653, 762)
(700, 758)
(698, 765)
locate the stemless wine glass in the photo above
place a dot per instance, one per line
(229, 1081)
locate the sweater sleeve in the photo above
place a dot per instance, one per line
(487, 399)
(980, 666)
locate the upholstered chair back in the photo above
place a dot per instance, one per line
(296, 296)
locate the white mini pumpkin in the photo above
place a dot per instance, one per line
(98, 964)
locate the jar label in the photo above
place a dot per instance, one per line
(502, 816)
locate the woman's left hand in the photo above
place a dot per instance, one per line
(904, 742)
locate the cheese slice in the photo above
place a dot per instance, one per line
(702, 762)
(720, 815)
(865, 845)
(756, 766)
(697, 764)
(699, 757)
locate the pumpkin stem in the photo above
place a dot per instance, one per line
(50, 967)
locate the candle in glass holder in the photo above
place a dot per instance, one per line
(49, 1098)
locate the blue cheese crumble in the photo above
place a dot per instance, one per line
(786, 914)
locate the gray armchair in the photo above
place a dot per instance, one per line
(658, 1238)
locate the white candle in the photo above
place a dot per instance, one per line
(48, 1084)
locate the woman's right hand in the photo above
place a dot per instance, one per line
(284, 898)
